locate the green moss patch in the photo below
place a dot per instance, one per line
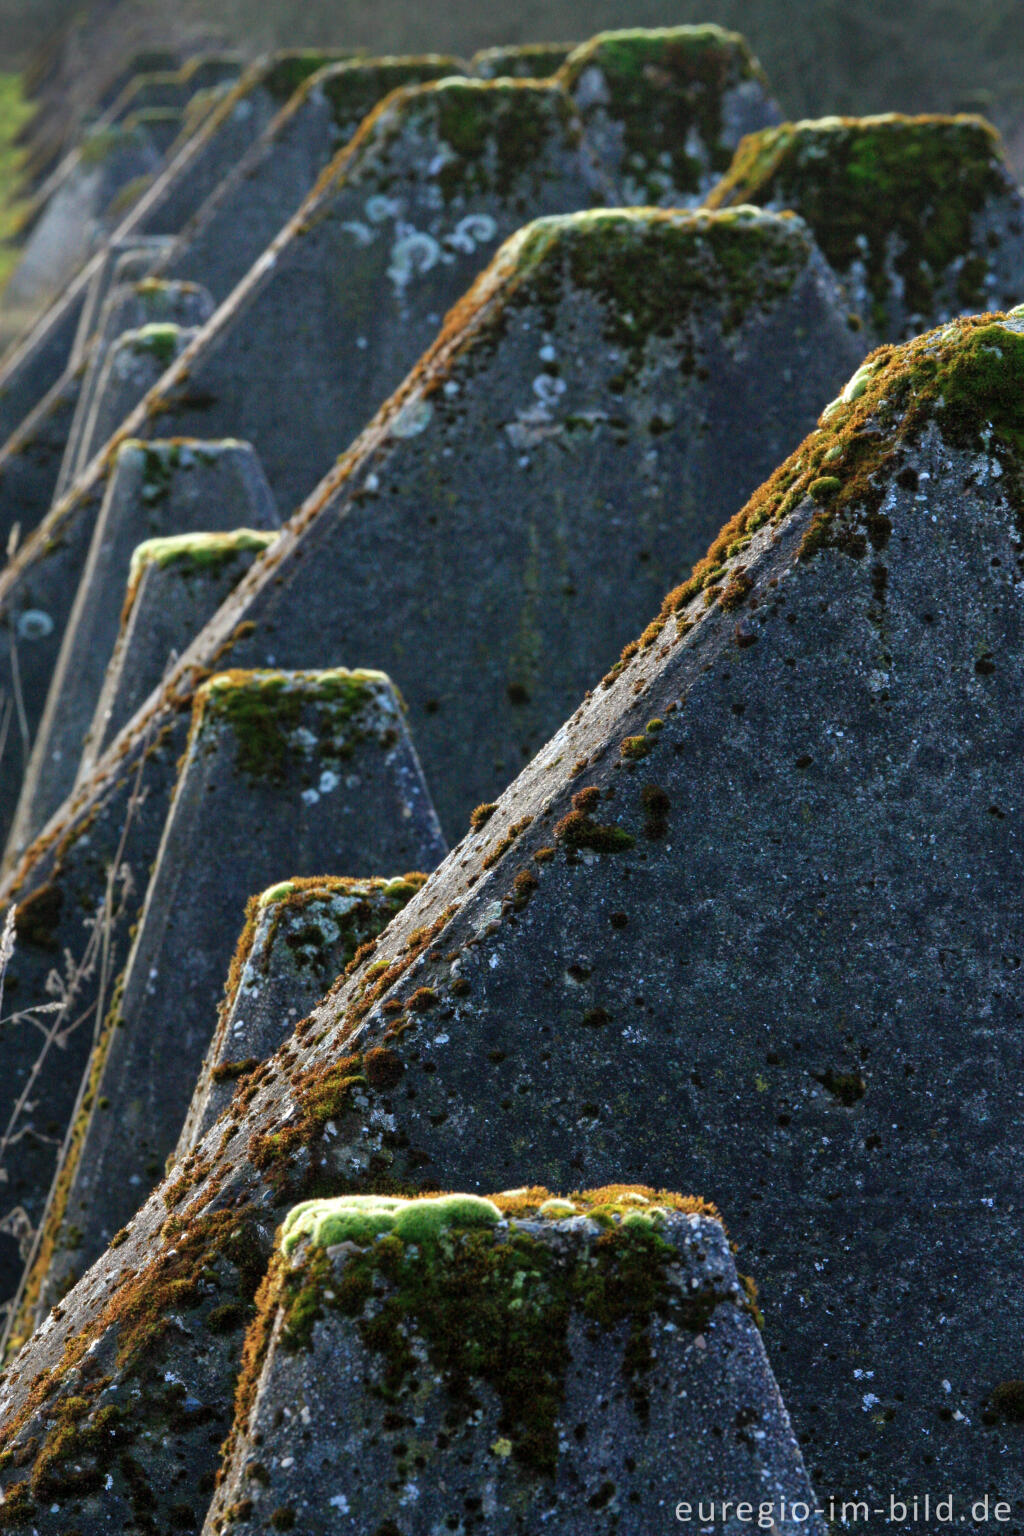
(895, 194)
(14, 113)
(361, 1218)
(196, 551)
(494, 130)
(288, 71)
(354, 89)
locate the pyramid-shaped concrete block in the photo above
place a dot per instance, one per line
(920, 217)
(134, 363)
(571, 1365)
(155, 489)
(770, 853)
(173, 88)
(175, 585)
(223, 137)
(283, 770)
(530, 61)
(60, 338)
(121, 264)
(130, 308)
(252, 205)
(149, 61)
(74, 219)
(298, 938)
(412, 211)
(665, 108)
(41, 459)
(609, 385)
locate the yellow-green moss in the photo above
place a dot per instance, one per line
(196, 551)
(354, 88)
(361, 1218)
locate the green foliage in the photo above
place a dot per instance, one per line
(14, 112)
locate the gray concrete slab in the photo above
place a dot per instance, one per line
(155, 489)
(130, 307)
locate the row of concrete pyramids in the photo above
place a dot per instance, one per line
(744, 928)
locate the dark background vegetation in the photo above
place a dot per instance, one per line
(846, 56)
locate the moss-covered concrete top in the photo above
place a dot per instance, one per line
(302, 890)
(489, 133)
(653, 268)
(280, 718)
(287, 72)
(665, 91)
(354, 87)
(529, 61)
(100, 146)
(227, 692)
(362, 1219)
(890, 194)
(159, 339)
(628, 51)
(195, 550)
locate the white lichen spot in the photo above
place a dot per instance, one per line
(414, 253)
(475, 229)
(310, 797)
(412, 419)
(548, 389)
(328, 781)
(340, 1503)
(380, 208)
(34, 624)
(361, 233)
